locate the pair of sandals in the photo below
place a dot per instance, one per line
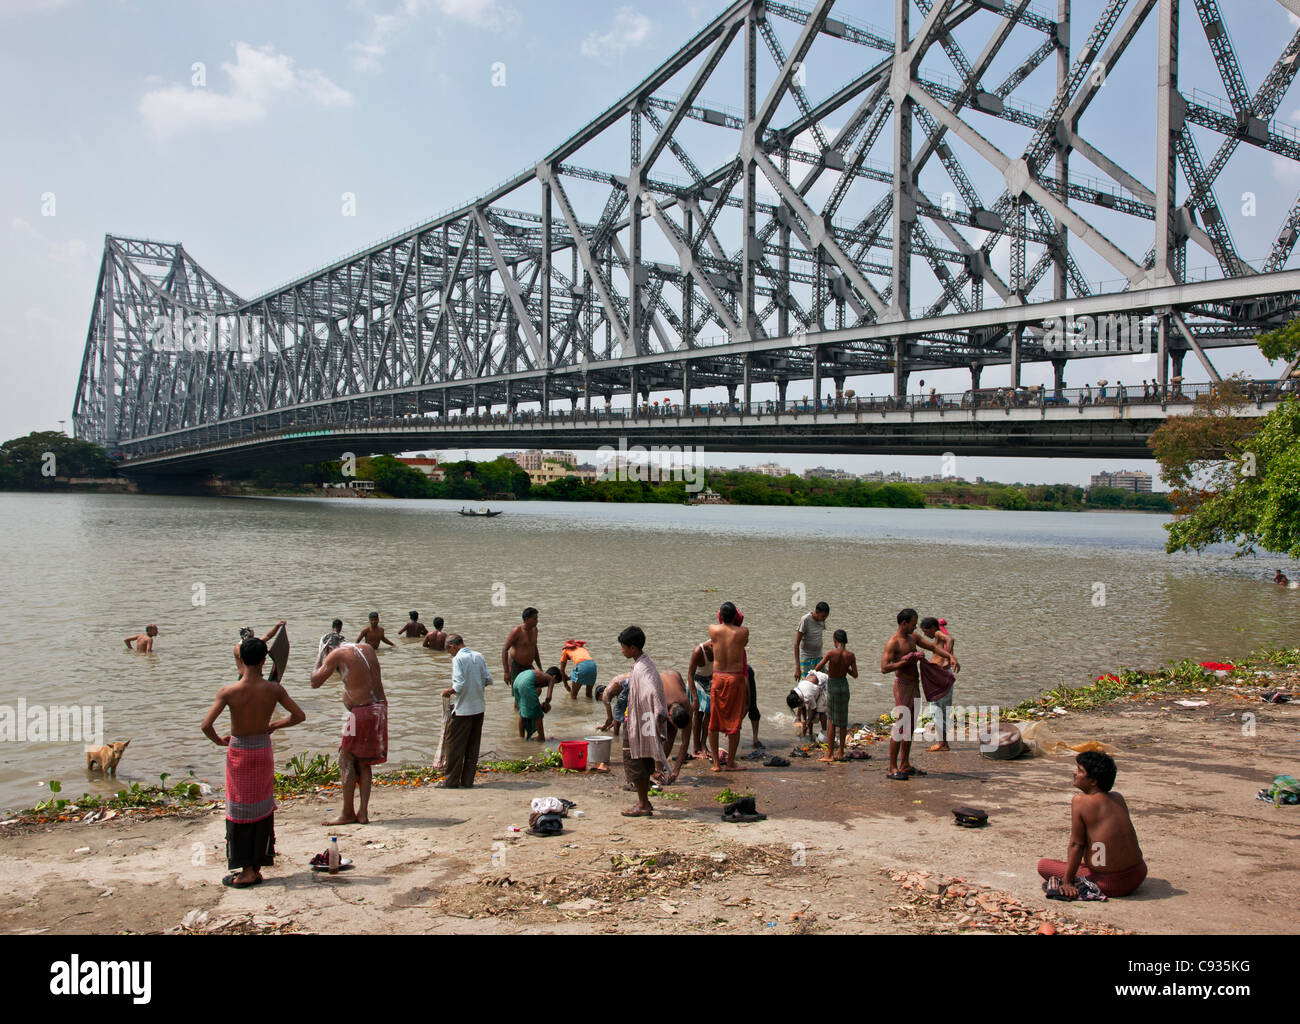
(742, 810)
(903, 776)
(230, 883)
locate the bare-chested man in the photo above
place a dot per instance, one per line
(520, 651)
(414, 628)
(838, 663)
(365, 733)
(250, 762)
(436, 640)
(700, 671)
(143, 641)
(679, 722)
(373, 634)
(1103, 843)
(729, 694)
(899, 657)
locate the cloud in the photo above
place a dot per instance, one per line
(260, 79)
(385, 27)
(629, 30)
(1285, 171)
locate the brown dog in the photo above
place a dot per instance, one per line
(106, 758)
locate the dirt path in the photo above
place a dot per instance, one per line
(843, 849)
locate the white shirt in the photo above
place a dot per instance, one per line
(469, 674)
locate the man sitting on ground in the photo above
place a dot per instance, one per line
(1101, 830)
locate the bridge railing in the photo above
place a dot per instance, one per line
(1118, 396)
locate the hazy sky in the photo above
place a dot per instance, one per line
(235, 126)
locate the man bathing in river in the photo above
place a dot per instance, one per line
(838, 664)
(808, 640)
(945, 657)
(1101, 833)
(365, 733)
(250, 762)
(527, 690)
(143, 641)
(415, 628)
(700, 672)
(729, 693)
(900, 657)
(436, 640)
(575, 654)
(520, 649)
(679, 723)
(373, 634)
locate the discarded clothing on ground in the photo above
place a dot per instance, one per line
(1042, 741)
(1088, 891)
(541, 824)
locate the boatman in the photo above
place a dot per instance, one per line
(250, 763)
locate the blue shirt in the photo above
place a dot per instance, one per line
(469, 674)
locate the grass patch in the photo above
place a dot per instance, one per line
(729, 796)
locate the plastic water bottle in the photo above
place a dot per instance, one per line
(334, 855)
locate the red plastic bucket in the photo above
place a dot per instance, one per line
(574, 754)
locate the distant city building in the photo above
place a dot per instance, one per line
(822, 473)
(550, 471)
(1126, 480)
(429, 467)
(769, 469)
(532, 460)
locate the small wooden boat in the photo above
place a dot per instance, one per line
(482, 513)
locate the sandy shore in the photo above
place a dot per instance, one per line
(843, 849)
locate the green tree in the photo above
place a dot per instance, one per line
(23, 460)
(1235, 481)
(1013, 499)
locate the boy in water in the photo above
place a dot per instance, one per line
(437, 640)
(838, 663)
(414, 628)
(373, 634)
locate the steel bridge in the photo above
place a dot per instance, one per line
(679, 243)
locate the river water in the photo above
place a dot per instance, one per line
(1020, 590)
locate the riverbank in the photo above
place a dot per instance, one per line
(842, 849)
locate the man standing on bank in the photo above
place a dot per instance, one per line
(808, 641)
(469, 675)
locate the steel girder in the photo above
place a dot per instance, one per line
(795, 233)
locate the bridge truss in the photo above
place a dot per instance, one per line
(920, 215)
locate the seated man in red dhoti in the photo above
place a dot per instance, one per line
(250, 762)
(1102, 837)
(729, 694)
(365, 732)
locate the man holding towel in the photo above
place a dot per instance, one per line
(250, 763)
(643, 752)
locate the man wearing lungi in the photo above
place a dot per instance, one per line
(365, 730)
(729, 694)
(900, 657)
(250, 763)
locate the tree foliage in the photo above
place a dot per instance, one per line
(23, 460)
(1235, 481)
